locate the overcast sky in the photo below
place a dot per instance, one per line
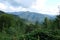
(40, 6)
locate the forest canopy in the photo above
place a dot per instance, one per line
(12, 27)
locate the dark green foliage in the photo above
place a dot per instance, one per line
(12, 27)
(5, 21)
(58, 21)
(47, 23)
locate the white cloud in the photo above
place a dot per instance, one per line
(14, 9)
(40, 6)
(2, 6)
(8, 8)
(43, 7)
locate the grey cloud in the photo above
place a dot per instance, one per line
(23, 3)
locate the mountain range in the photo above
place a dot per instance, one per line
(32, 16)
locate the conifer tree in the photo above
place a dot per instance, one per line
(46, 23)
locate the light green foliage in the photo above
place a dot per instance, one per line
(47, 23)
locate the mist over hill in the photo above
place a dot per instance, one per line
(32, 16)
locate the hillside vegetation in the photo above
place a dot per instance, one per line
(12, 27)
(32, 16)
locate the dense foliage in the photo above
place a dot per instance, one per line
(12, 27)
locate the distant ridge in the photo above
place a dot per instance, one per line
(32, 16)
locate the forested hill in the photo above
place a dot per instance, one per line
(32, 16)
(12, 27)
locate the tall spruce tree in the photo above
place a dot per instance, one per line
(58, 20)
(46, 23)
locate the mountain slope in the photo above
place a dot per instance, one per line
(32, 16)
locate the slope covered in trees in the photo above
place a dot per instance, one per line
(12, 27)
(32, 16)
